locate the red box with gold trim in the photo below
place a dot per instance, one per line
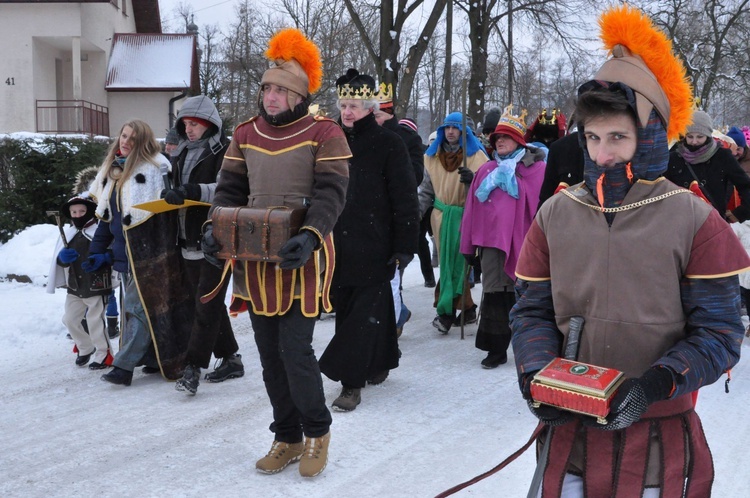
(577, 387)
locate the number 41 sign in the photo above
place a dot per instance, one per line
(10, 81)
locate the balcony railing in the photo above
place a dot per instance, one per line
(71, 116)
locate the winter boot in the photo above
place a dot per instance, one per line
(106, 363)
(118, 376)
(315, 456)
(443, 323)
(82, 359)
(281, 455)
(348, 399)
(112, 329)
(494, 360)
(150, 370)
(469, 316)
(378, 378)
(405, 317)
(189, 381)
(229, 368)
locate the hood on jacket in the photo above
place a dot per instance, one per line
(201, 107)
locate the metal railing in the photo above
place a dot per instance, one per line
(71, 116)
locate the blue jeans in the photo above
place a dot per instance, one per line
(135, 338)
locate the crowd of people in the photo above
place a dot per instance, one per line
(618, 219)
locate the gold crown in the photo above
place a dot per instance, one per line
(385, 92)
(364, 92)
(515, 122)
(546, 119)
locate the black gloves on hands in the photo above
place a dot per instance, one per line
(471, 259)
(548, 415)
(210, 246)
(633, 398)
(297, 250)
(466, 175)
(177, 196)
(402, 259)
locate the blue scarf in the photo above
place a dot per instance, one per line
(504, 176)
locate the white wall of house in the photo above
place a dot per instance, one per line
(151, 107)
(38, 48)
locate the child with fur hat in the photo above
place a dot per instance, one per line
(87, 292)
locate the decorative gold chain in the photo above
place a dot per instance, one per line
(627, 207)
(282, 138)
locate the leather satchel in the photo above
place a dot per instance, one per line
(255, 234)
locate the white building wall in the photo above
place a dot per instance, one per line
(34, 35)
(151, 107)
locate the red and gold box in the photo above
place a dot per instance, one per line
(577, 387)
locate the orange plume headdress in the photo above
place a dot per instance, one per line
(643, 59)
(298, 65)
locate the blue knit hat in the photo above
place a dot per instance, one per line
(736, 134)
(455, 119)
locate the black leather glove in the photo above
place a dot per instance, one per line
(471, 259)
(210, 246)
(297, 250)
(466, 175)
(548, 415)
(633, 398)
(178, 195)
(402, 259)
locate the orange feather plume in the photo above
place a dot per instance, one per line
(628, 26)
(289, 44)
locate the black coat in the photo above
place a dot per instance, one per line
(413, 143)
(381, 215)
(205, 171)
(564, 165)
(716, 177)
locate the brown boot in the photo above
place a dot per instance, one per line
(315, 456)
(280, 455)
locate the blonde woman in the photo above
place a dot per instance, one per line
(141, 245)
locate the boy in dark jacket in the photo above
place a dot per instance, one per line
(87, 292)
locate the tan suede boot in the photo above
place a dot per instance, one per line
(280, 455)
(315, 456)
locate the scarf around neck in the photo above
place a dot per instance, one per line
(451, 161)
(701, 155)
(504, 176)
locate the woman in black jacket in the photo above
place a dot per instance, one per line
(699, 158)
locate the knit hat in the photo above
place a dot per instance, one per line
(490, 121)
(297, 63)
(172, 136)
(736, 134)
(702, 123)
(409, 123)
(198, 120)
(513, 126)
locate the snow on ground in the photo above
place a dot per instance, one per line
(437, 421)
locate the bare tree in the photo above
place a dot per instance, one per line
(712, 38)
(384, 50)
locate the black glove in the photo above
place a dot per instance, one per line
(548, 415)
(633, 398)
(96, 261)
(67, 255)
(210, 246)
(466, 175)
(178, 195)
(402, 259)
(297, 250)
